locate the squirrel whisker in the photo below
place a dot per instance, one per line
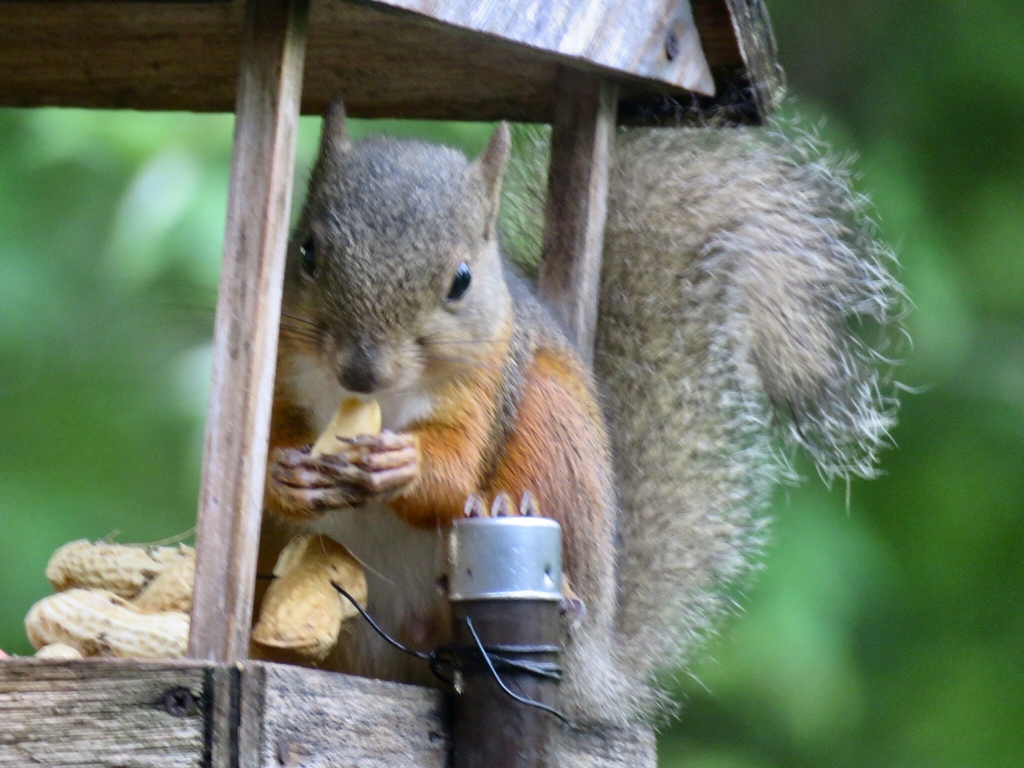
(301, 320)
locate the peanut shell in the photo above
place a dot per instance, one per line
(172, 589)
(99, 623)
(58, 651)
(121, 569)
(302, 612)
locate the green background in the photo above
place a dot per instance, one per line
(886, 633)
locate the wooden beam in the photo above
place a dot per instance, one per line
(311, 717)
(170, 714)
(581, 141)
(246, 327)
(386, 62)
(650, 39)
(81, 713)
(760, 65)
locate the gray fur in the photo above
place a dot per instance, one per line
(736, 263)
(747, 308)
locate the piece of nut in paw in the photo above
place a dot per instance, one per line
(353, 417)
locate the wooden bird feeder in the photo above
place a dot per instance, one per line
(581, 65)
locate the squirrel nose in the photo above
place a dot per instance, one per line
(359, 372)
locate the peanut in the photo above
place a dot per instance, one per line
(353, 417)
(100, 623)
(58, 651)
(302, 612)
(123, 570)
(172, 589)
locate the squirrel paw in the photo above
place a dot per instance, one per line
(367, 468)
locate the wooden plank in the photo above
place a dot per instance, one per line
(89, 713)
(581, 141)
(245, 329)
(221, 716)
(176, 714)
(651, 39)
(758, 53)
(740, 46)
(314, 718)
(387, 64)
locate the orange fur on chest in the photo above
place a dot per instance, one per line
(453, 448)
(554, 449)
(557, 450)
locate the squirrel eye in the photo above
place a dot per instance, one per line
(307, 253)
(460, 283)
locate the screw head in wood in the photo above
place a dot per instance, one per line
(671, 45)
(179, 702)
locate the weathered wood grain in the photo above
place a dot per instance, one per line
(577, 203)
(318, 719)
(630, 38)
(759, 56)
(387, 64)
(313, 718)
(246, 328)
(97, 712)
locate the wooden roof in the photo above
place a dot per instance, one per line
(445, 59)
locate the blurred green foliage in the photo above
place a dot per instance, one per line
(883, 630)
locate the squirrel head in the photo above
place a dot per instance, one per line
(395, 260)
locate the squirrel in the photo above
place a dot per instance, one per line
(733, 270)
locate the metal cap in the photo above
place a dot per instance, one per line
(505, 558)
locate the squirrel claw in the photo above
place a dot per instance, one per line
(528, 505)
(571, 607)
(502, 505)
(474, 507)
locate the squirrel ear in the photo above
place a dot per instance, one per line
(334, 137)
(491, 164)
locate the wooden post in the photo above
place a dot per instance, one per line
(246, 326)
(489, 728)
(581, 141)
(505, 582)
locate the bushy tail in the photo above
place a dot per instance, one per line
(742, 282)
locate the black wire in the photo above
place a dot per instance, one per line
(521, 699)
(548, 670)
(379, 631)
(456, 658)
